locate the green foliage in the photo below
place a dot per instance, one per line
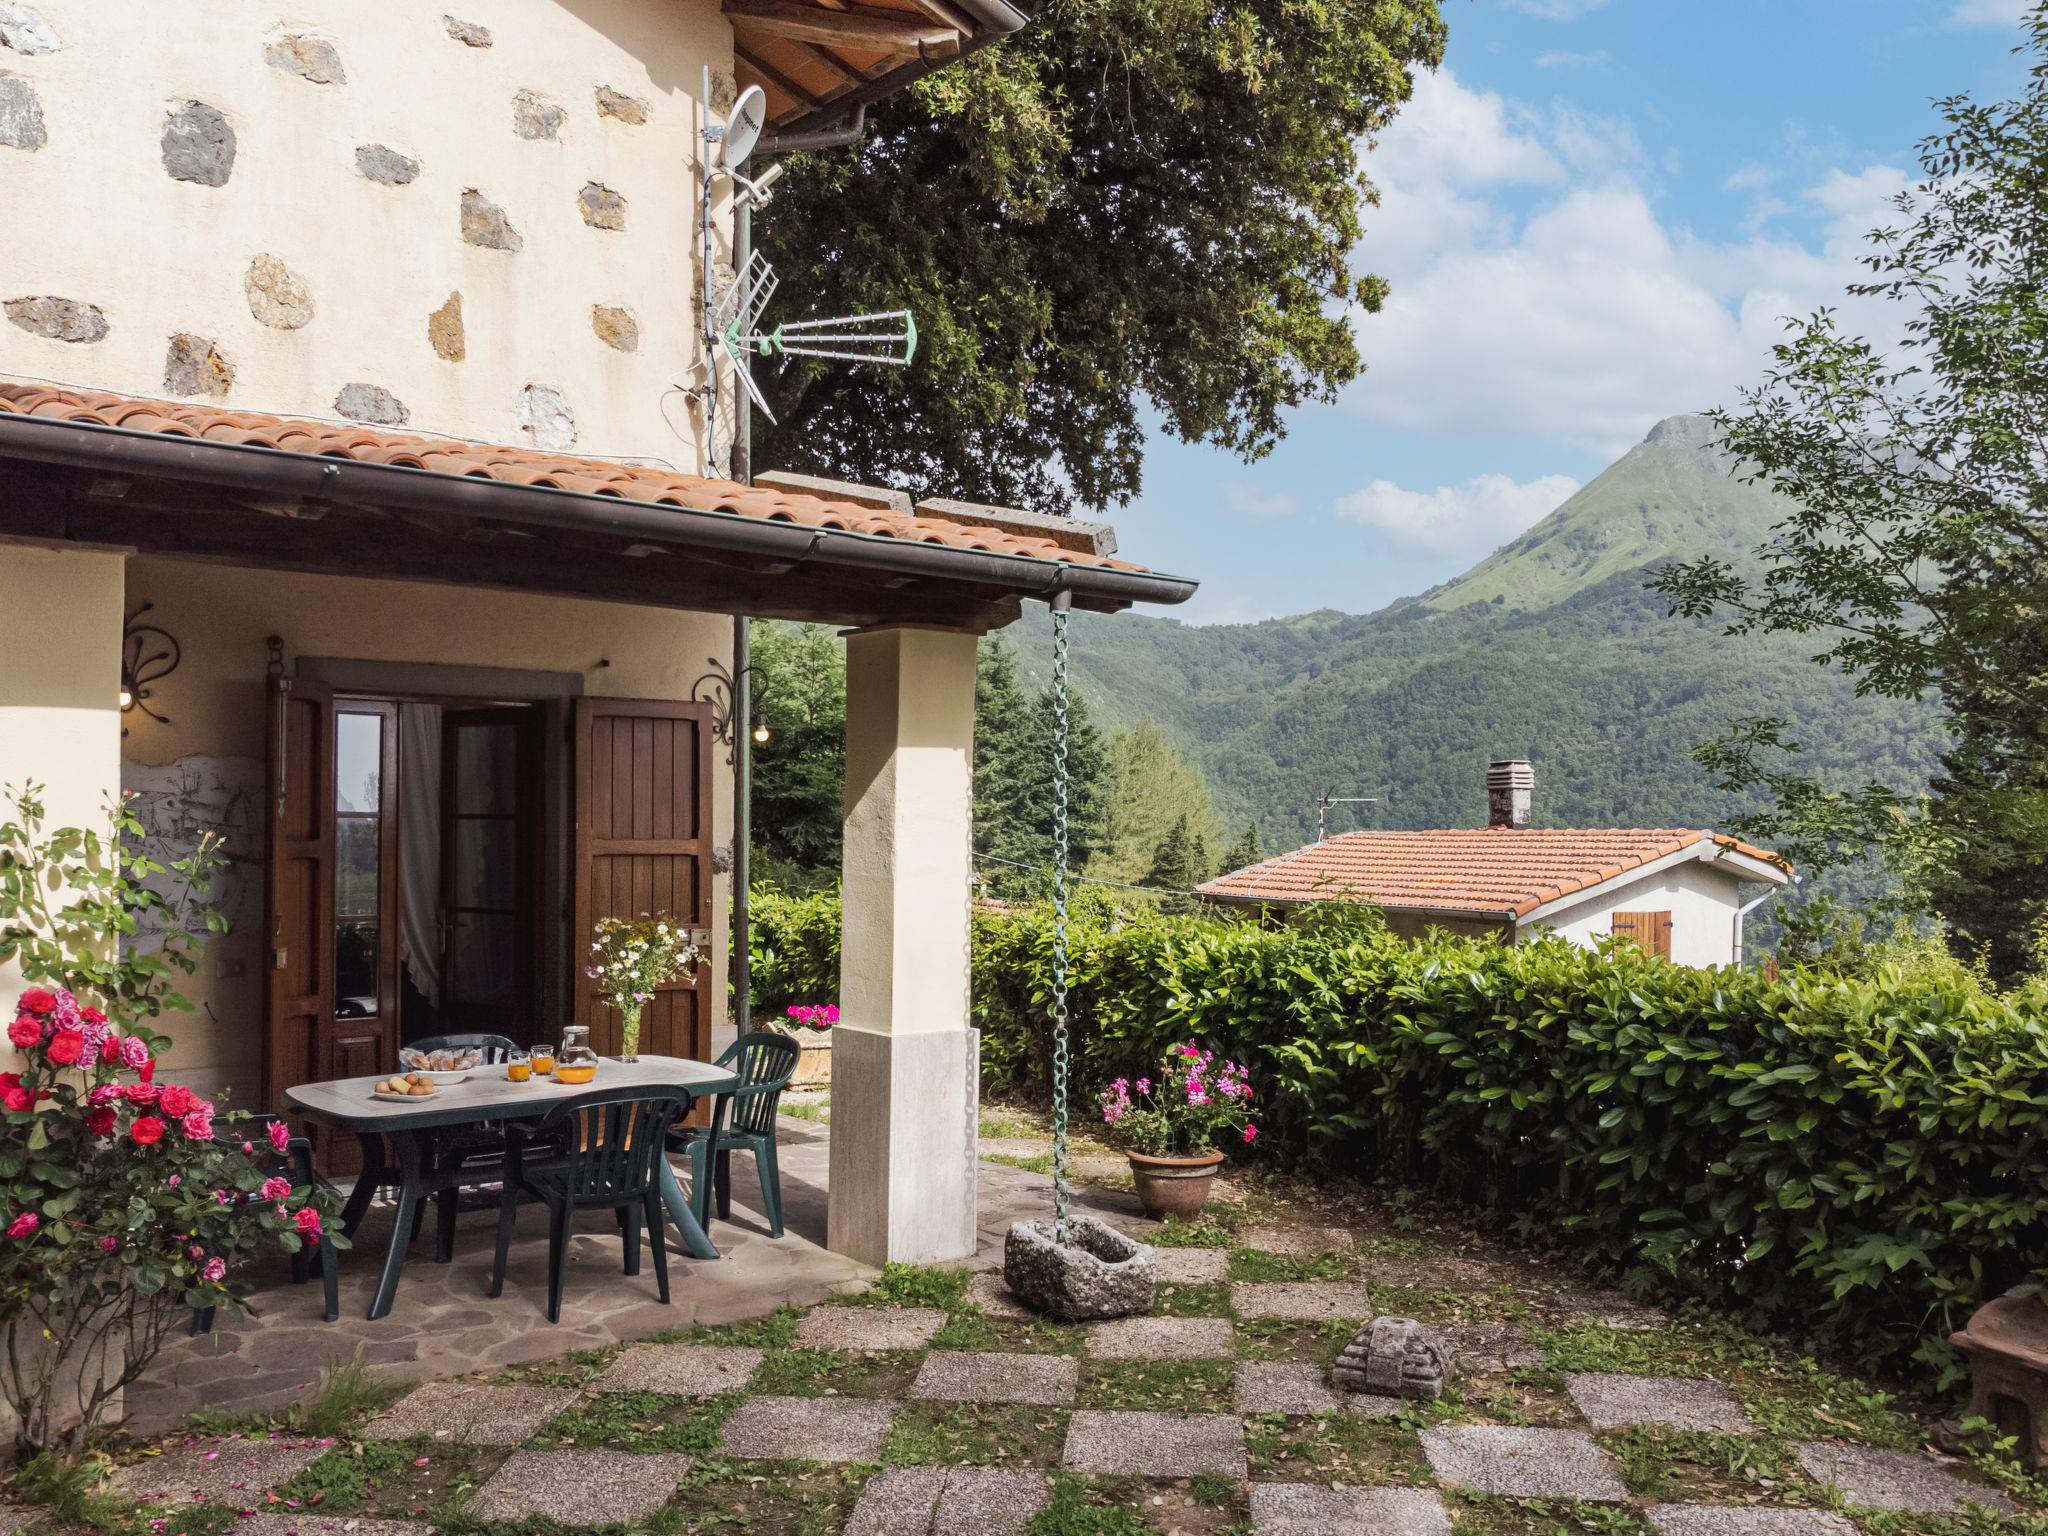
(1124, 203)
(794, 944)
(1013, 776)
(348, 1393)
(1150, 789)
(1181, 864)
(1076, 1510)
(800, 771)
(645, 1422)
(1212, 1489)
(1243, 853)
(918, 1285)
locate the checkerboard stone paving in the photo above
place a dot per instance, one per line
(988, 1291)
(869, 1328)
(313, 1523)
(1313, 1509)
(1733, 1520)
(1304, 1242)
(1285, 1386)
(1907, 1480)
(1192, 1266)
(956, 1376)
(1616, 1402)
(1112, 1444)
(472, 1412)
(682, 1370)
(578, 1488)
(1162, 1338)
(1306, 1301)
(235, 1471)
(809, 1428)
(1490, 1347)
(1428, 1272)
(948, 1501)
(1523, 1463)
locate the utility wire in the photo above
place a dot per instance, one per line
(1155, 890)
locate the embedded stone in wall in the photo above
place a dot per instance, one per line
(484, 223)
(57, 319)
(194, 366)
(199, 145)
(615, 327)
(277, 295)
(24, 31)
(627, 109)
(545, 416)
(602, 207)
(21, 114)
(535, 117)
(382, 163)
(312, 58)
(444, 330)
(468, 32)
(372, 403)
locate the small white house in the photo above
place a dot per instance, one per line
(1675, 891)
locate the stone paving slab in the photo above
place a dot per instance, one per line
(1285, 1386)
(948, 1501)
(1162, 1338)
(472, 1412)
(1908, 1480)
(1615, 1402)
(682, 1370)
(1523, 1463)
(1734, 1520)
(314, 1523)
(235, 1471)
(809, 1428)
(898, 1501)
(1192, 1266)
(989, 1291)
(1308, 1301)
(1313, 1509)
(870, 1328)
(1610, 1309)
(578, 1488)
(1306, 1242)
(955, 1376)
(1155, 1444)
(1490, 1346)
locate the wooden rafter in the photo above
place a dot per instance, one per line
(778, 79)
(864, 28)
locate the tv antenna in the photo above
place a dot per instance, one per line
(733, 315)
(1325, 801)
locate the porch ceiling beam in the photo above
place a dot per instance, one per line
(777, 78)
(865, 30)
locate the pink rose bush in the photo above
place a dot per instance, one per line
(1194, 1105)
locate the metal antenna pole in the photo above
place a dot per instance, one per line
(742, 823)
(743, 397)
(1325, 801)
(710, 334)
(1062, 600)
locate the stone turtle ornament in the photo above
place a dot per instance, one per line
(1394, 1357)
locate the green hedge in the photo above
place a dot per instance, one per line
(1861, 1156)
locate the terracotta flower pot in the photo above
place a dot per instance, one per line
(1174, 1186)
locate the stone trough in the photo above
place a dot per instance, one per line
(1099, 1272)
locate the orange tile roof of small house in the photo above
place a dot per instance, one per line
(515, 466)
(1480, 869)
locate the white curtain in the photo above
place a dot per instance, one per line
(419, 845)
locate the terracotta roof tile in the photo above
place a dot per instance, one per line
(515, 466)
(1482, 869)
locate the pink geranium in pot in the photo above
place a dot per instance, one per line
(1173, 1127)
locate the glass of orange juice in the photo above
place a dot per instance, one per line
(518, 1068)
(542, 1061)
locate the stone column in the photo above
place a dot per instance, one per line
(905, 1060)
(60, 684)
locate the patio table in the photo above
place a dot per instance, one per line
(349, 1104)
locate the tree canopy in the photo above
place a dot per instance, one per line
(1130, 202)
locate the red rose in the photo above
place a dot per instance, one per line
(35, 1000)
(25, 1032)
(99, 1121)
(148, 1130)
(149, 1069)
(92, 1016)
(139, 1093)
(110, 1048)
(178, 1101)
(65, 1046)
(16, 1098)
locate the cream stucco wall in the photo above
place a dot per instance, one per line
(95, 217)
(215, 704)
(1701, 898)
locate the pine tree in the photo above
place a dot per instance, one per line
(1147, 787)
(1013, 774)
(1245, 852)
(1181, 864)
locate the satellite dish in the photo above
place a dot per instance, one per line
(743, 126)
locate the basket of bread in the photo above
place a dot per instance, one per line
(443, 1066)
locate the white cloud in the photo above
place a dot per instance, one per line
(1535, 292)
(1563, 10)
(1485, 511)
(1988, 13)
(1249, 501)
(1571, 60)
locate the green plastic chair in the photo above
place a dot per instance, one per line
(764, 1063)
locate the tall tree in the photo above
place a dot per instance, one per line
(800, 771)
(1148, 786)
(1014, 798)
(1245, 852)
(1129, 205)
(1919, 549)
(1179, 865)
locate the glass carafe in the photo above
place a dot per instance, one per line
(575, 1062)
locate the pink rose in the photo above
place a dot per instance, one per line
(195, 1251)
(280, 1136)
(105, 1093)
(133, 1052)
(109, 1244)
(24, 1224)
(174, 1181)
(307, 1222)
(276, 1189)
(139, 1093)
(199, 1123)
(216, 1270)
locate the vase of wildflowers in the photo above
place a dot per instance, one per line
(630, 961)
(1173, 1127)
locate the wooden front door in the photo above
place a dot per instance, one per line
(643, 845)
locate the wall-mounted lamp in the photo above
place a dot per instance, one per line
(760, 725)
(716, 689)
(149, 654)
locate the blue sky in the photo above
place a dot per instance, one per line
(1593, 217)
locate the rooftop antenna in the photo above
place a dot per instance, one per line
(733, 315)
(1325, 801)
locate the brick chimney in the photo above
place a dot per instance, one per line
(1510, 785)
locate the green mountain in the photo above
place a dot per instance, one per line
(1549, 649)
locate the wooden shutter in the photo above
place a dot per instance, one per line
(643, 845)
(298, 887)
(1651, 931)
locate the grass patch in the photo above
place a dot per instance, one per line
(1335, 1448)
(775, 1331)
(1259, 1267)
(1212, 1489)
(1688, 1466)
(969, 1330)
(913, 1285)
(1090, 1507)
(1272, 1338)
(1175, 1233)
(833, 1373)
(976, 1434)
(1185, 1386)
(341, 1480)
(1035, 1337)
(760, 1498)
(1487, 1514)
(643, 1422)
(817, 1114)
(1042, 1163)
(1192, 1301)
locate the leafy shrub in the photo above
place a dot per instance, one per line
(793, 942)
